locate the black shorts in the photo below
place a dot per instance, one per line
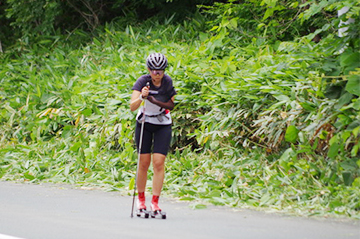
(156, 138)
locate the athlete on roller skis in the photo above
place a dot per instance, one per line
(153, 129)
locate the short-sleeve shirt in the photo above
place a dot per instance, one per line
(163, 93)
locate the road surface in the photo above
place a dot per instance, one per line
(49, 211)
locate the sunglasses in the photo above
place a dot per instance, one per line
(157, 72)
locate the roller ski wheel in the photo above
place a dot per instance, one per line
(158, 214)
(142, 213)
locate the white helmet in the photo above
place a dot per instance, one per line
(156, 61)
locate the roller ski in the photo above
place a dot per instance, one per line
(155, 209)
(141, 208)
(142, 213)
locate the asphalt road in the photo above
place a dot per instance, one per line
(60, 212)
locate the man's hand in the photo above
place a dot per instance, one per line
(145, 91)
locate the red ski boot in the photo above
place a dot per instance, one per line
(141, 207)
(155, 209)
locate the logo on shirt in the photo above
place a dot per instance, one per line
(153, 92)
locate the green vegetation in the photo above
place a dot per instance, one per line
(267, 113)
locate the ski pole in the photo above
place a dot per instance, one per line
(139, 152)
